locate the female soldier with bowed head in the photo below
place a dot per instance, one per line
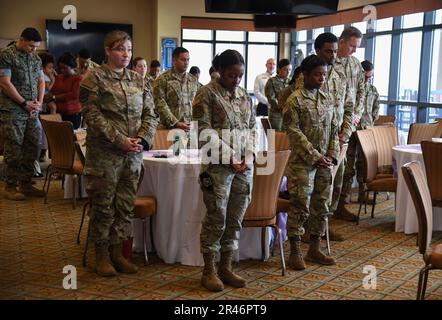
(311, 126)
(224, 106)
(120, 118)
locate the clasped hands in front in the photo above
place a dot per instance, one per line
(243, 166)
(132, 145)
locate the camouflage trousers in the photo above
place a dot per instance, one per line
(21, 147)
(337, 186)
(353, 166)
(275, 118)
(310, 194)
(112, 181)
(226, 195)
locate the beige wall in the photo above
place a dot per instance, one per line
(15, 15)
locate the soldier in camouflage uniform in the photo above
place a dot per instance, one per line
(287, 91)
(369, 116)
(349, 67)
(309, 119)
(154, 72)
(84, 62)
(222, 105)
(273, 89)
(22, 91)
(174, 91)
(120, 119)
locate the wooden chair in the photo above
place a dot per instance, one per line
(432, 153)
(51, 117)
(417, 185)
(262, 211)
(372, 180)
(383, 120)
(61, 140)
(266, 124)
(385, 137)
(160, 141)
(424, 131)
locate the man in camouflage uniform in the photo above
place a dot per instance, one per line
(22, 91)
(309, 119)
(154, 72)
(84, 62)
(174, 91)
(227, 187)
(120, 117)
(273, 89)
(369, 116)
(349, 67)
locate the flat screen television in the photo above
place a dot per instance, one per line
(283, 7)
(88, 35)
(275, 22)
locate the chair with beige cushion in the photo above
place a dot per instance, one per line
(417, 185)
(385, 137)
(432, 153)
(61, 141)
(160, 141)
(372, 180)
(424, 131)
(262, 211)
(384, 120)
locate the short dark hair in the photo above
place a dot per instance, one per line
(31, 34)
(195, 70)
(84, 54)
(311, 62)
(226, 59)
(46, 58)
(350, 32)
(367, 65)
(68, 59)
(178, 51)
(212, 70)
(283, 63)
(323, 38)
(155, 64)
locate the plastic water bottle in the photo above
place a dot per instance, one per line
(176, 146)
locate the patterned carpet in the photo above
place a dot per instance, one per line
(37, 241)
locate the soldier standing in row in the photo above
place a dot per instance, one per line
(349, 67)
(120, 117)
(309, 119)
(227, 188)
(174, 91)
(84, 62)
(22, 87)
(273, 89)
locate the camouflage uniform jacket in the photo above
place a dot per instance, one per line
(25, 71)
(216, 108)
(116, 107)
(273, 89)
(284, 95)
(173, 97)
(310, 123)
(371, 110)
(81, 71)
(351, 69)
(338, 88)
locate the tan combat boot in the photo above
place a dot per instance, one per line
(295, 260)
(11, 193)
(104, 267)
(210, 279)
(343, 213)
(120, 262)
(30, 191)
(225, 271)
(315, 255)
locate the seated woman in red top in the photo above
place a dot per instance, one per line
(66, 90)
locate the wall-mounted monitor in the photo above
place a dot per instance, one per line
(88, 35)
(282, 7)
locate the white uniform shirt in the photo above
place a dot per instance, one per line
(260, 84)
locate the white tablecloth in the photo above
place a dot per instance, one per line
(180, 210)
(406, 219)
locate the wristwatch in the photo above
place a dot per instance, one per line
(54, 98)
